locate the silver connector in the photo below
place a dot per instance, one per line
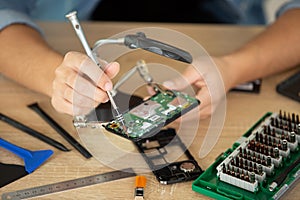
(272, 186)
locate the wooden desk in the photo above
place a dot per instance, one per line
(243, 110)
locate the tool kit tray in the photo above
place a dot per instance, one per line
(262, 164)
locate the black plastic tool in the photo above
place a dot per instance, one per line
(35, 107)
(33, 133)
(32, 160)
(10, 173)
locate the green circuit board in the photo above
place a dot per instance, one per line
(150, 116)
(262, 164)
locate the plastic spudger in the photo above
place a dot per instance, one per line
(35, 107)
(33, 133)
(32, 159)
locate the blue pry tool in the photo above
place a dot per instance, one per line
(32, 159)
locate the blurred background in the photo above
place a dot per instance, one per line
(247, 12)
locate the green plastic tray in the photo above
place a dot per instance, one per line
(209, 184)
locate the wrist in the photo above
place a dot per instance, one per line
(226, 68)
(51, 60)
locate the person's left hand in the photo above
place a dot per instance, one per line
(209, 81)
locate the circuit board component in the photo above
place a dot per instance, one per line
(149, 117)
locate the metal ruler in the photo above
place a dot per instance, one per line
(68, 185)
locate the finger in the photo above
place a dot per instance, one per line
(189, 77)
(206, 107)
(206, 112)
(63, 106)
(204, 97)
(83, 64)
(68, 94)
(78, 99)
(64, 98)
(151, 90)
(192, 74)
(112, 69)
(66, 77)
(87, 89)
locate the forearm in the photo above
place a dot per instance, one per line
(27, 59)
(274, 50)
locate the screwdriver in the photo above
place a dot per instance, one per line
(72, 16)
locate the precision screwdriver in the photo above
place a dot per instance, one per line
(72, 16)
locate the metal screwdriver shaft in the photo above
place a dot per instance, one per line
(72, 16)
(116, 114)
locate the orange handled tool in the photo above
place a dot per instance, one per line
(140, 184)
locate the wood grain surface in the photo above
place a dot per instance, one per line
(243, 110)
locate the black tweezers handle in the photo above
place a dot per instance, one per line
(35, 107)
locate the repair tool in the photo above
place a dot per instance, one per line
(262, 164)
(35, 107)
(33, 133)
(32, 160)
(10, 173)
(68, 185)
(289, 87)
(74, 21)
(140, 184)
(155, 152)
(139, 40)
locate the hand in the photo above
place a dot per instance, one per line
(210, 81)
(80, 85)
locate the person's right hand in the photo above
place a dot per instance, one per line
(80, 85)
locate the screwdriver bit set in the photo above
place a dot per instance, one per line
(262, 164)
